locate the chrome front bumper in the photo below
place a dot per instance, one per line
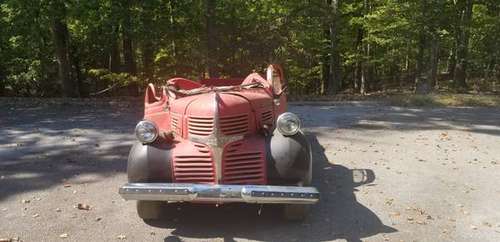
(187, 192)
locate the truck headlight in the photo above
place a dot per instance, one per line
(288, 124)
(146, 132)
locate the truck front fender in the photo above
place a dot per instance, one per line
(289, 158)
(149, 163)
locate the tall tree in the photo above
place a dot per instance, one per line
(62, 49)
(128, 47)
(333, 73)
(463, 31)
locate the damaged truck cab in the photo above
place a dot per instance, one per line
(220, 141)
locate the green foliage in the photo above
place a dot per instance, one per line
(104, 75)
(379, 41)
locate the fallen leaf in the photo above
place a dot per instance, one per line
(487, 224)
(15, 239)
(82, 206)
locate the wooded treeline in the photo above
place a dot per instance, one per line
(74, 48)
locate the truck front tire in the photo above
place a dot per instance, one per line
(295, 212)
(150, 210)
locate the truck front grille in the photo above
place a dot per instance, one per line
(194, 167)
(267, 117)
(200, 125)
(175, 123)
(243, 165)
(234, 124)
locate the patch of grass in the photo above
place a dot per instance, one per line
(442, 100)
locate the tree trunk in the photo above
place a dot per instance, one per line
(462, 44)
(114, 55)
(357, 70)
(364, 66)
(147, 46)
(128, 48)
(434, 62)
(334, 61)
(78, 71)
(362, 85)
(62, 51)
(421, 78)
(2, 82)
(173, 23)
(211, 35)
(452, 62)
(325, 72)
(147, 59)
(426, 69)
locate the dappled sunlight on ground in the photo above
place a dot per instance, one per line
(385, 173)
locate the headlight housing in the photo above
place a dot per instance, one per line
(288, 124)
(146, 132)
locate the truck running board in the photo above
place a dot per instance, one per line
(188, 192)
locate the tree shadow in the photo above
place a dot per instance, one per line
(338, 215)
(44, 143)
(372, 116)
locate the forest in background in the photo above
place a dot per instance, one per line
(77, 48)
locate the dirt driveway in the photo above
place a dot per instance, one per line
(385, 174)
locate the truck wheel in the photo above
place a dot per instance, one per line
(149, 210)
(295, 212)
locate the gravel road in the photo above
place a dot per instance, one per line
(385, 174)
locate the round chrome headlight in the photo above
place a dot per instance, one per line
(288, 124)
(146, 132)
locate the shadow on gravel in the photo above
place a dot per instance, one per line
(46, 144)
(337, 216)
(371, 117)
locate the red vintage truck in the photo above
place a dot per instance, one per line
(220, 141)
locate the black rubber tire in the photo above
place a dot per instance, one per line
(295, 212)
(149, 210)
